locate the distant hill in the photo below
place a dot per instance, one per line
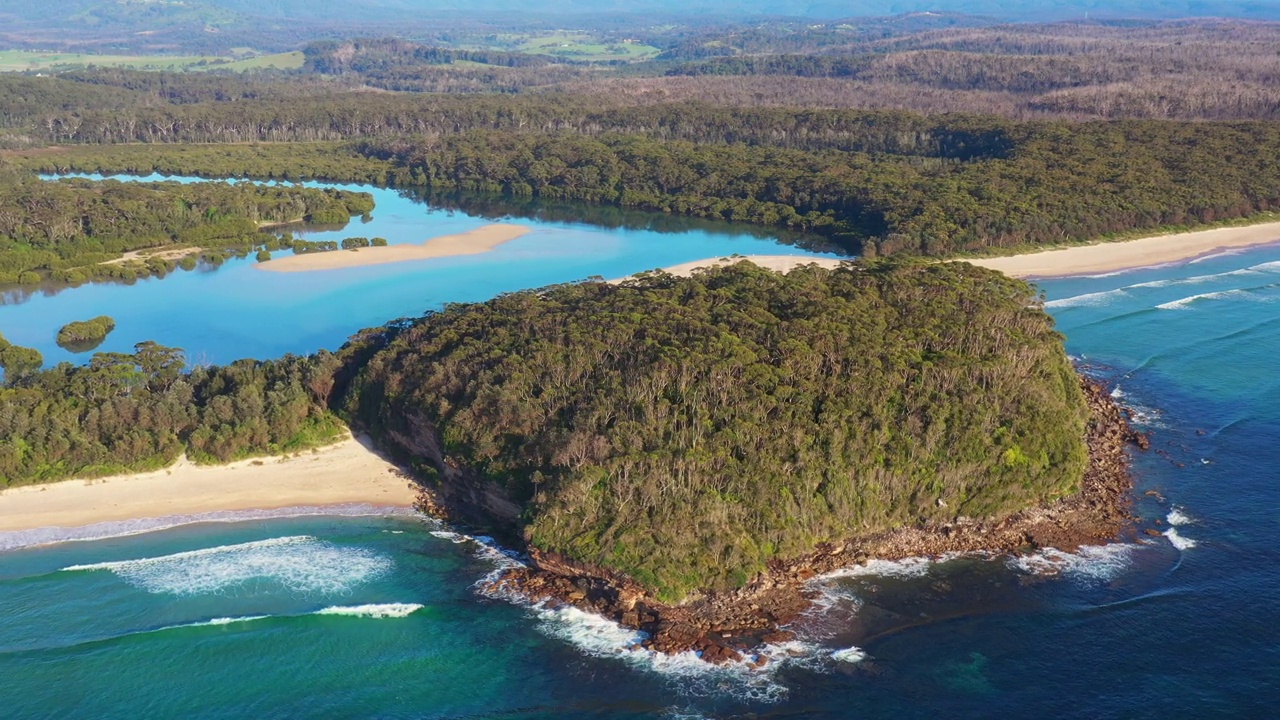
(313, 11)
(1037, 9)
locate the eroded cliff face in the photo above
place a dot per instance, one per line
(449, 490)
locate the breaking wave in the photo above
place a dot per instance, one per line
(849, 655)
(1087, 300)
(376, 611)
(299, 564)
(1091, 563)
(1178, 541)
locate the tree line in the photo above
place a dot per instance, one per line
(1035, 184)
(76, 229)
(130, 412)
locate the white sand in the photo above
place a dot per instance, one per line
(162, 253)
(1080, 260)
(340, 474)
(472, 242)
(1127, 255)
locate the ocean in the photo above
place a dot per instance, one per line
(351, 615)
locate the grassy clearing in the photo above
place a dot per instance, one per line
(27, 61)
(582, 46)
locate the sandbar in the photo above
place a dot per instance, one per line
(471, 242)
(345, 473)
(161, 253)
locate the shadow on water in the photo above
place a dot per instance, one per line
(489, 207)
(497, 207)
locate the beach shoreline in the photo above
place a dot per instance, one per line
(1103, 257)
(346, 473)
(472, 242)
(1124, 255)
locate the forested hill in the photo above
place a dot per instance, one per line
(683, 432)
(687, 431)
(409, 11)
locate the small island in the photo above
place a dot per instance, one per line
(83, 336)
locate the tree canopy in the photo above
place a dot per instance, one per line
(687, 431)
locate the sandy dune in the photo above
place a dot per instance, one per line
(472, 242)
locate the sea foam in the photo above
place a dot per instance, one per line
(849, 655)
(1090, 563)
(905, 568)
(1178, 541)
(299, 564)
(377, 611)
(599, 637)
(18, 539)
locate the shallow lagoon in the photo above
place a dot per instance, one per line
(237, 311)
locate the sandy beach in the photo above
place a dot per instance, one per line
(1130, 254)
(1079, 260)
(340, 474)
(472, 242)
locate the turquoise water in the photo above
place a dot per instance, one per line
(1176, 625)
(236, 311)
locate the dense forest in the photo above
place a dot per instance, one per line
(950, 186)
(75, 230)
(140, 411)
(871, 182)
(681, 431)
(686, 431)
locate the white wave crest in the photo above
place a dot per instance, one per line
(1178, 541)
(1250, 294)
(1089, 563)
(1184, 303)
(18, 539)
(1217, 255)
(226, 621)
(849, 655)
(906, 568)
(1201, 279)
(379, 611)
(1087, 299)
(300, 564)
(1177, 517)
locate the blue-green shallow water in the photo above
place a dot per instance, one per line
(1151, 629)
(238, 311)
